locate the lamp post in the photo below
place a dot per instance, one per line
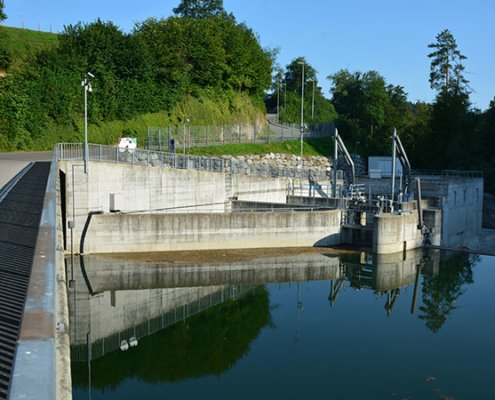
(86, 83)
(302, 108)
(186, 120)
(285, 96)
(313, 101)
(278, 102)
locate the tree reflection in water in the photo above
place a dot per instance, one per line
(441, 292)
(209, 343)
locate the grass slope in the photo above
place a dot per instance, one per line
(21, 42)
(311, 147)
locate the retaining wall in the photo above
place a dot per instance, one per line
(116, 233)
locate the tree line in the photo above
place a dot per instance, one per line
(447, 133)
(203, 54)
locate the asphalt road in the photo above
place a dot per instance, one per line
(12, 163)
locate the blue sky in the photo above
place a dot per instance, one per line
(390, 36)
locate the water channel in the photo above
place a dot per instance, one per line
(352, 325)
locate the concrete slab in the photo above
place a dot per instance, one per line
(12, 163)
(9, 168)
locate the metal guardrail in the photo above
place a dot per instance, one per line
(448, 172)
(103, 153)
(96, 152)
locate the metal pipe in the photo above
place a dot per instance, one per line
(335, 160)
(418, 199)
(394, 155)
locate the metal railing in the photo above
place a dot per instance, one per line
(188, 136)
(103, 153)
(448, 172)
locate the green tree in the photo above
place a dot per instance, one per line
(3, 16)
(289, 84)
(200, 9)
(449, 143)
(5, 57)
(368, 109)
(446, 70)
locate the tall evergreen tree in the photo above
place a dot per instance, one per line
(446, 71)
(200, 9)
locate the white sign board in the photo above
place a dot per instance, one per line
(127, 144)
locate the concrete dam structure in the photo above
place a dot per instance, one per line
(149, 201)
(120, 299)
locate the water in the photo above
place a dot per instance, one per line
(312, 326)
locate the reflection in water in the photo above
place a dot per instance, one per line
(194, 321)
(206, 344)
(440, 292)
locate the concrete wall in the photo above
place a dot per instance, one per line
(393, 233)
(139, 188)
(114, 233)
(462, 212)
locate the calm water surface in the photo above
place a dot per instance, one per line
(313, 326)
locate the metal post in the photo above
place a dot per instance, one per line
(313, 102)
(394, 156)
(418, 199)
(184, 139)
(335, 158)
(86, 83)
(302, 109)
(85, 127)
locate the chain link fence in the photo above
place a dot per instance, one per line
(179, 138)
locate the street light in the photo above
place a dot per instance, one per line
(302, 108)
(313, 101)
(285, 96)
(86, 83)
(278, 101)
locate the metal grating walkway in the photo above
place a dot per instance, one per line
(20, 214)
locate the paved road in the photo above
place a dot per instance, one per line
(12, 163)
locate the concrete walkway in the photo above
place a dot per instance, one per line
(12, 163)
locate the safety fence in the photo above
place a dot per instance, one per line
(181, 138)
(103, 153)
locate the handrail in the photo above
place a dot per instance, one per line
(447, 172)
(105, 153)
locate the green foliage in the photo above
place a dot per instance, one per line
(200, 9)
(21, 45)
(3, 16)
(209, 343)
(210, 70)
(368, 109)
(440, 293)
(287, 93)
(446, 71)
(311, 147)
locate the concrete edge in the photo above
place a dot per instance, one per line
(42, 362)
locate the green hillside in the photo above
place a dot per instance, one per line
(21, 42)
